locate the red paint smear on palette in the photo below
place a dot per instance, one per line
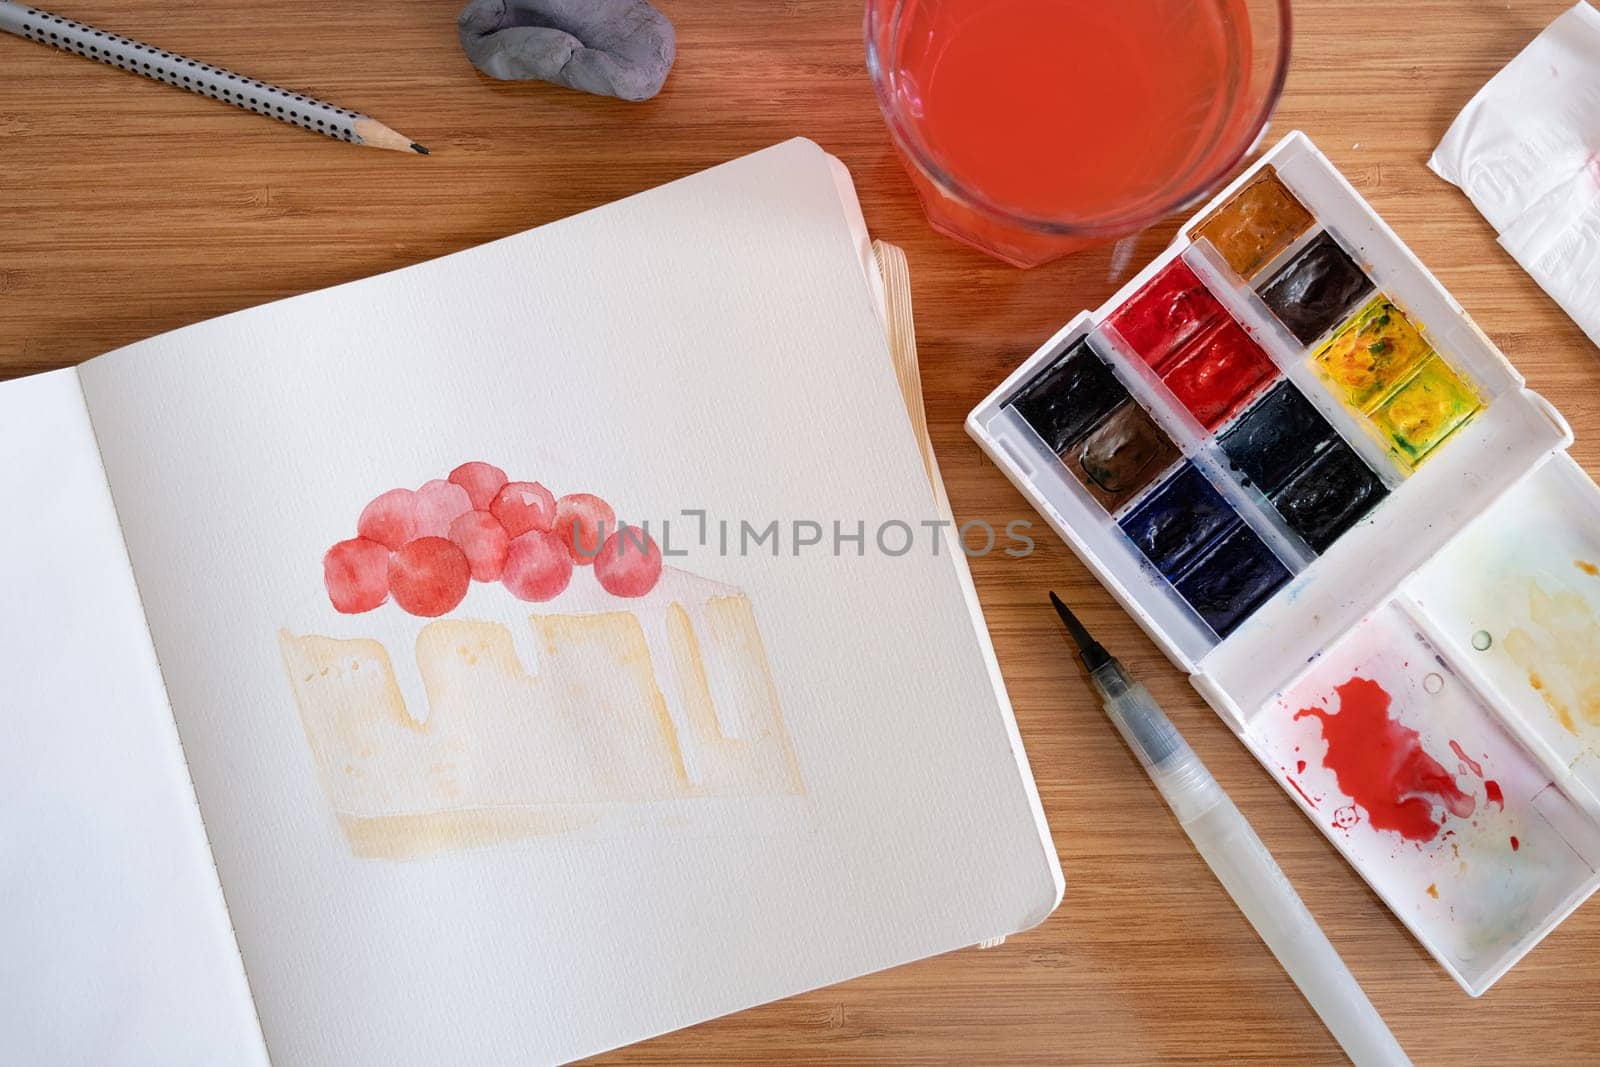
(1380, 764)
(1491, 788)
(1297, 788)
(1477, 768)
(1219, 373)
(1515, 844)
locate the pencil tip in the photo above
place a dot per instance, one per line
(418, 149)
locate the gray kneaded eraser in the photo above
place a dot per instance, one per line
(618, 48)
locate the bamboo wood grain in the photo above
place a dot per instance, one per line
(128, 209)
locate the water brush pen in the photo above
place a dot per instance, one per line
(1237, 857)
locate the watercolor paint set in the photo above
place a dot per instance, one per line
(1331, 500)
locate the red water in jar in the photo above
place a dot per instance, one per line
(1033, 127)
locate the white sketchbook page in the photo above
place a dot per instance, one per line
(114, 942)
(707, 345)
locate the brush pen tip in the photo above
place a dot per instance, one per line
(1094, 656)
(1068, 619)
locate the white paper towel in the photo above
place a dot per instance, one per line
(1526, 151)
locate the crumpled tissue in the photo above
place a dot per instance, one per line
(1526, 151)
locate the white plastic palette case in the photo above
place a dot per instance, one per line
(1423, 679)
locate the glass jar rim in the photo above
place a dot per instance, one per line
(1203, 183)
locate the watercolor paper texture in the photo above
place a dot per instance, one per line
(1408, 769)
(117, 948)
(750, 380)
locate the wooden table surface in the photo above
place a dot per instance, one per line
(128, 209)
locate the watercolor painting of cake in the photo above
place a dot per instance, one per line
(492, 663)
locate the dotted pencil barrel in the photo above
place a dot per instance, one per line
(218, 83)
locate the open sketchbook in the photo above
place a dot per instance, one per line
(353, 718)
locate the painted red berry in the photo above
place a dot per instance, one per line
(356, 573)
(583, 521)
(429, 576)
(537, 567)
(629, 564)
(481, 481)
(439, 503)
(524, 506)
(391, 519)
(481, 537)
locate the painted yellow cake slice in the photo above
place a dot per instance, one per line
(508, 719)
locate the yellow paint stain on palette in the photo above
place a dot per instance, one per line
(1559, 647)
(1521, 591)
(1379, 366)
(1372, 354)
(1425, 409)
(1360, 536)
